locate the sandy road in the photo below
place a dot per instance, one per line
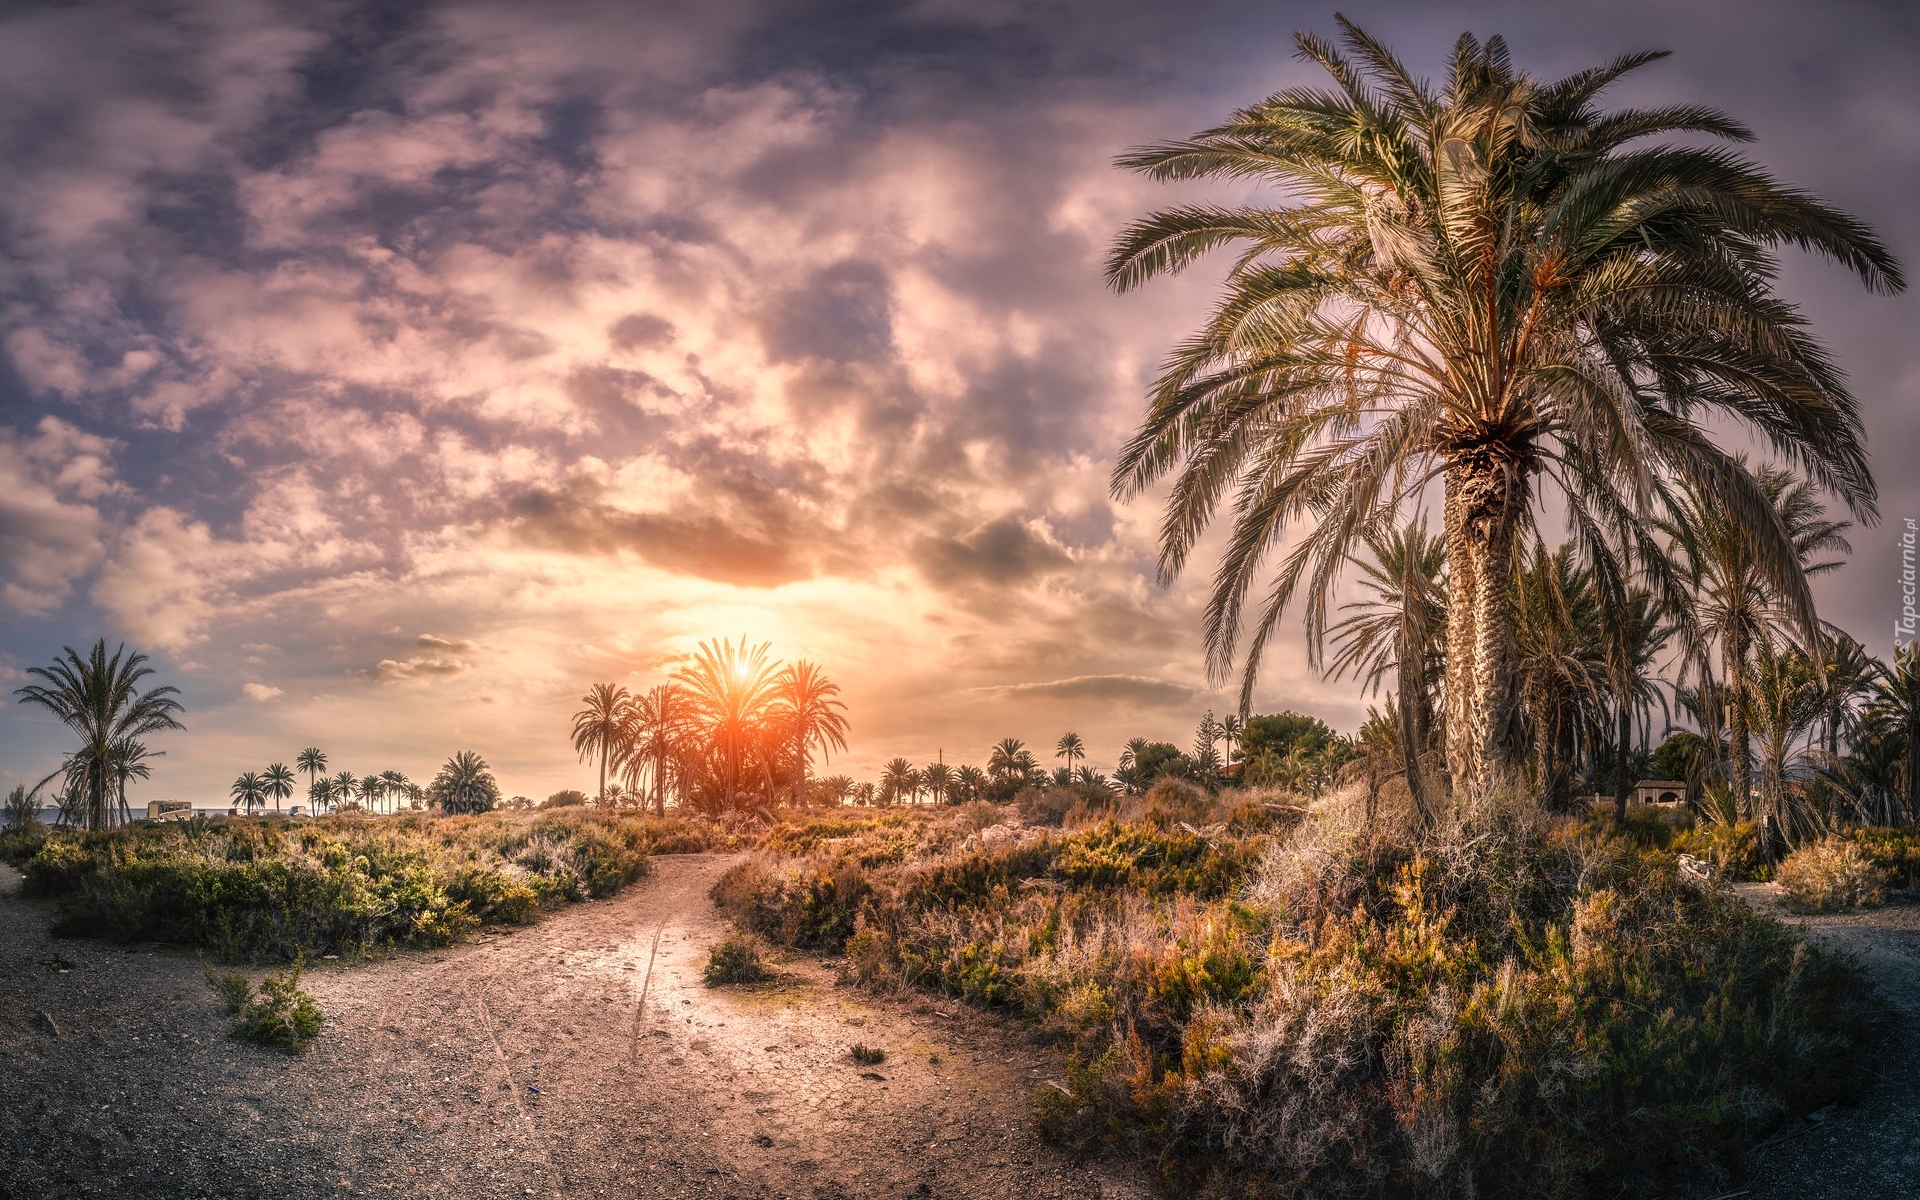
(579, 1057)
(1870, 1149)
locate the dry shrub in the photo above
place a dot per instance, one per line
(1830, 875)
(737, 959)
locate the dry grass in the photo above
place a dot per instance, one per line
(1830, 875)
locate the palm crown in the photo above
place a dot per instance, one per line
(1489, 286)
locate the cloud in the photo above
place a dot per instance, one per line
(50, 531)
(428, 641)
(261, 692)
(418, 666)
(1134, 691)
(1002, 552)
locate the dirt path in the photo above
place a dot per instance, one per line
(580, 1057)
(1869, 1150)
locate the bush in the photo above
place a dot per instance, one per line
(867, 1056)
(1830, 875)
(1894, 851)
(1508, 1007)
(738, 959)
(1733, 848)
(271, 889)
(280, 1014)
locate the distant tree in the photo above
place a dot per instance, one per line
(600, 725)
(1128, 771)
(940, 782)
(1158, 760)
(1071, 748)
(279, 783)
(566, 798)
(97, 698)
(465, 785)
(249, 792)
(312, 761)
(518, 803)
(1896, 704)
(393, 783)
(345, 789)
(896, 780)
(729, 690)
(1279, 733)
(806, 702)
(971, 782)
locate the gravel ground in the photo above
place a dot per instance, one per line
(579, 1057)
(1869, 1150)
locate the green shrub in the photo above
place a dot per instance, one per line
(1830, 875)
(271, 889)
(867, 1056)
(280, 1014)
(19, 843)
(738, 959)
(233, 988)
(1733, 848)
(1894, 851)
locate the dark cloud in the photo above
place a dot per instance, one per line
(841, 314)
(640, 331)
(1132, 691)
(1002, 553)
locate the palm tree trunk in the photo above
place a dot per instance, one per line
(1458, 700)
(1739, 745)
(1491, 502)
(600, 801)
(1621, 787)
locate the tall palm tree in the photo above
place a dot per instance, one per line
(805, 701)
(1850, 672)
(660, 721)
(1495, 287)
(465, 785)
(1010, 760)
(1071, 748)
(313, 761)
(279, 781)
(249, 791)
(971, 781)
(729, 689)
(1401, 618)
(599, 726)
(1739, 597)
(98, 698)
(345, 788)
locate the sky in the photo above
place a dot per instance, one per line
(390, 373)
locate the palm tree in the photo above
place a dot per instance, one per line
(127, 761)
(659, 722)
(345, 787)
(279, 782)
(1128, 770)
(1785, 699)
(896, 779)
(313, 761)
(1070, 747)
(248, 791)
(1633, 635)
(1402, 619)
(1740, 595)
(1494, 287)
(465, 785)
(1896, 703)
(940, 781)
(97, 698)
(598, 727)
(728, 691)
(393, 783)
(1011, 761)
(1559, 664)
(971, 781)
(1850, 673)
(804, 700)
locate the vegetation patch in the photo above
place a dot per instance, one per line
(1513, 1005)
(739, 959)
(1830, 875)
(867, 1056)
(279, 1014)
(271, 889)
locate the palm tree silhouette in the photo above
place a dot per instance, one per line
(278, 781)
(313, 761)
(599, 727)
(393, 783)
(345, 787)
(728, 690)
(1493, 287)
(1010, 760)
(96, 697)
(1741, 591)
(249, 791)
(1070, 747)
(465, 784)
(972, 781)
(939, 780)
(896, 778)
(804, 700)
